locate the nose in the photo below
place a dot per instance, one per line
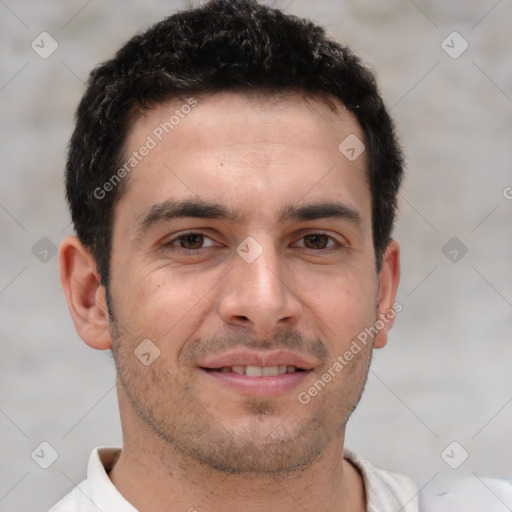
(260, 295)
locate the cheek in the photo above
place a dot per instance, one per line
(165, 305)
(344, 302)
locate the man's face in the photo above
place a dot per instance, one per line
(268, 268)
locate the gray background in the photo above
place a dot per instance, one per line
(445, 374)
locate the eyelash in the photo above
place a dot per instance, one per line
(171, 243)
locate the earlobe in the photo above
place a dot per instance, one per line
(84, 293)
(389, 277)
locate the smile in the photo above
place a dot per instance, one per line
(259, 371)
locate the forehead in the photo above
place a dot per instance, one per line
(254, 152)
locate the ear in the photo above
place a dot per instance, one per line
(84, 293)
(387, 308)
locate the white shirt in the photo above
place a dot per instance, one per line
(385, 491)
(97, 493)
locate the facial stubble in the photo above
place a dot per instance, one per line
(172, 410)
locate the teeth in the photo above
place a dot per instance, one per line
(258, 371)
(254, 371)
(270, 371)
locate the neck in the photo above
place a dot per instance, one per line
(152, 476)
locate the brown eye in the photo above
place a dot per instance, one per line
(191, 241)
(316, 241)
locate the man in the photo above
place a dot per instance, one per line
(232, 179)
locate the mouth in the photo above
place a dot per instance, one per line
(257, 371)
(258, 374)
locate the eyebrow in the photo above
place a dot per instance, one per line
(172, 209)
(322, 211)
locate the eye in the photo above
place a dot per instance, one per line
(319, 241)
(191, 241)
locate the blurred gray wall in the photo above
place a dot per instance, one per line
(446, 373)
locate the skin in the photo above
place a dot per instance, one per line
(188, 440)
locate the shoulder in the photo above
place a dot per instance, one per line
(471, 494)
(385, 491)
(97, 492)
(75, 500)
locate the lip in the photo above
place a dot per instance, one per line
(251, 358)
(258, 386)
